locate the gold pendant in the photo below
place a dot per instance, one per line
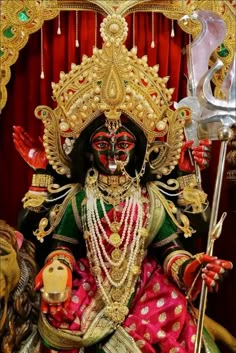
(116, 254)
(116, 312)
(86, 235)
(117, 293)
(143, 232)
(136, 270)
(117, 274)
(115, 227)
(115, 239)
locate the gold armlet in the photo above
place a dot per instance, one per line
(42, 180)
(187, 180)
(192, 198)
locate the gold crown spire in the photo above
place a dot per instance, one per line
(113, 81)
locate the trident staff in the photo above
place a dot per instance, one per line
(217, 121)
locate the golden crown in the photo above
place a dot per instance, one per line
(113, 81)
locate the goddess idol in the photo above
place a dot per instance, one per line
(117, 278)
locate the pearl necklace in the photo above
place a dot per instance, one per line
(122, 267)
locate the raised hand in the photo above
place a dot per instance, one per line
(204, 268)
(31, 151)
(201, 155)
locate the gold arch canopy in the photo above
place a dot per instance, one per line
(20, 18)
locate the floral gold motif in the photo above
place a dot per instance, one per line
(116, 312)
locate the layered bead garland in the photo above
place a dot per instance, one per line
(115, 259)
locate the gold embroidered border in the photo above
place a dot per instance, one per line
(58, 339)
(123, 340)
(64, 339)
(157, 215)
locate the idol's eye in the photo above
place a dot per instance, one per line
(100, 145)
(125, 145)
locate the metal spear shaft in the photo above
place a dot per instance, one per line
(225, 134)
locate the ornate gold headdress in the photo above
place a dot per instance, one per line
(113, 81)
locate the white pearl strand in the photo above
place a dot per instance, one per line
(130, 204)
(93, 219)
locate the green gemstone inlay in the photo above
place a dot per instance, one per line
(1, 53)
(8, 32)
(223, 51)
(23, 15)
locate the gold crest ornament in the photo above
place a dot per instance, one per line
(114, 82)
(19, 19)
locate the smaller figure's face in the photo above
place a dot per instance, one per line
(9, 268)
(110, 150)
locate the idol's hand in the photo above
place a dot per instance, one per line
(55, 282)
(201, 155)
(30, 150)
(211, 270)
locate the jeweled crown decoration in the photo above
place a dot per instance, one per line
(113, 81)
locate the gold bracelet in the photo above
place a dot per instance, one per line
(175, 253)
(42, 180)
(173, 262)
(175, 269)
(62, 255)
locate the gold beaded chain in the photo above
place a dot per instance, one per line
(121, 266)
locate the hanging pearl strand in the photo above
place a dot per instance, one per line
(41, 54)
(127, 207)
(134, 30)
(172, 34)
(95, 30)
(137, 244)
(153, 28)
(59, 24)
(94, 231)
(76, 30)
(130, 204)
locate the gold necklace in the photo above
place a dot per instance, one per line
(110, 188)
(120, 268)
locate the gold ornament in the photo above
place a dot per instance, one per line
(117, 294)
(34, 200)
(111, 83)
(22, 18)
(115, 239)
(42, 180)
(116, 312)
(116, 254)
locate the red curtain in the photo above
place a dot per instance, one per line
(26, 91)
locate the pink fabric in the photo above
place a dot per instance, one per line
(158, 314)
(158, 319)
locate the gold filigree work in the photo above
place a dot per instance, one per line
(21, 18)
(113, 82)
